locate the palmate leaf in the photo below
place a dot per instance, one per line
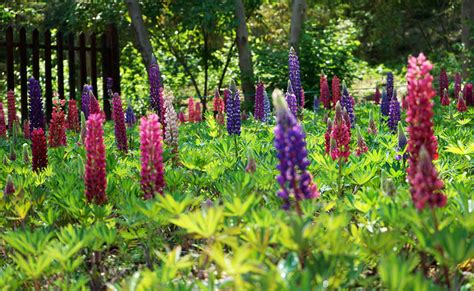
(33, 267)
(203, 223)
(28, 242)
(362, 176)
(235, 206)
(461, 149)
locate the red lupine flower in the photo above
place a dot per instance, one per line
(39, 150)
(191, 113)
(443, 82)
(94, 106)
(152, 180)
(461, 105)
(445, 98)
(197, 113)
(73, 116)
(468, 94)
(26, 129)
(181, 117)
(377, 95)
(95, 175)
(3, 126)
(327, 136)
(426, 186)
(336, 90)
(11, 108)
(119, 127)
(324, 91)
(219, 107)
(57, 129)
(341, 135)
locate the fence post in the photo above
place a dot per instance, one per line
(60, 58)
(10, 68)
(115, 52)
(105, 54)
(23, 76)
(82, 59)
(35, 44)
(47, 73)
(72, 67)
(93, 60)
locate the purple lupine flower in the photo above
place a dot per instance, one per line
(233, 110)
(394, 113)
(36, 105)
(348, 103)
(294, 68)
(86, 101)
(120, 131)
(291, 99)
(266, 108)
(385, 104)
(130, 118)
(389, 85)
(294, 178)
(156, 89)
(259, 113)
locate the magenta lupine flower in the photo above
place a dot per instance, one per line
(26, 129)
(259, 113)
(294, 68)
(152, 180)
(377, 95)
(95, 175)
(39, 150)
(291, 99)
(120, 130)
(461, 105)
(36, 105)
(3, 126)
(445, 98)
(341, 135)
(94, 107)
(324, 91)
(294, 178)
(443, 82)
(457, 84)
(11, 108)
(57, 126)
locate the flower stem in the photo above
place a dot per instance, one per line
(339, 178)
(236, 148)
(440, 249)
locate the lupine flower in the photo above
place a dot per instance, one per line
(457, 84)
(39, 150)
(57, 129)
(377, 95)
(404, 102)
(385, 104)
(181, 117)
(197, 112)
(218, 104)
(191, 113)
(119, 124)
(372, 129)
(291, 100)
(336, 90)
(266, 108)
(443, 82)
(426, 186)
(259, 113)
(171, 118)
(294, 178)
(341, 135)
(152, 180)
(156, 89)
(402, 143)
(94, 107)
(130, 118)
(233, 110)
(347, 119)
(347, 102)
(3, 126)
(324, 91)
(461, 105)
(327, 136)
(9, 187)
(26, 129)
(85, 105)
(11, 108)
(420, 124)
(36, 105)
(445, 98)
(468, 94)
(389, 85)
(394, 114)
(73, 116)
(294, 68)
(226, 96)
(333, 150)
(361, 145)
(95, 175)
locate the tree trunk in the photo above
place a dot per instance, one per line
(467, 20)
(245, 57)
(297, 18)
(141, 33)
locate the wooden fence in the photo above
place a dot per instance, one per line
(110, 58)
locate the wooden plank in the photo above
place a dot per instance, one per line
(10, 56)
(23, 76)
(93, 60)
(105, 73)
(47, 74)
(60, 60)
(82, 59)
(115, 52)
(72, 67)
(35, 43)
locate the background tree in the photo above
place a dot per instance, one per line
(141, 32)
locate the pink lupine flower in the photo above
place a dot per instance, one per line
(95, 174)
(57, 128)
(73, 116)
(191, 113)
(39, 150)
(152, 180)
(11, 108)
(3, 126)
